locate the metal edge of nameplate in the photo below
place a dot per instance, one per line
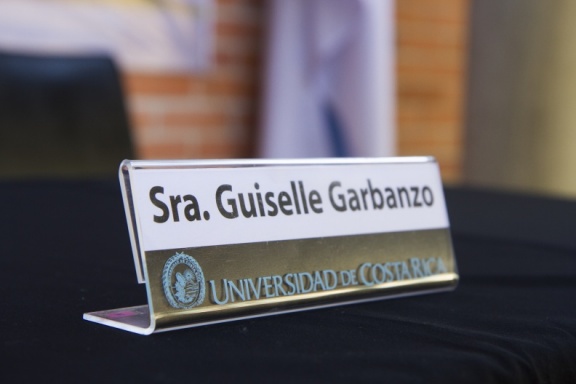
(136, 319)
(239, 163)
(131, 219)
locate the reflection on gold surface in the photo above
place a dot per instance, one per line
(245, 280)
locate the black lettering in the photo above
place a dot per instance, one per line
(376, 192)
(174, 201)
(403, 192)
(284, 202)
(342, 206)
(247, 212)
(364, 193)
(231, 202)
(303, 197)
(427, 196)
(295, 195)
(270, 201)
(391, 198)
(415, 200)
(259, 199)
(315, 199)
(193, 206)
(160, 204)
(354, 201)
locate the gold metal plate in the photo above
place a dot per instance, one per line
(260, 278)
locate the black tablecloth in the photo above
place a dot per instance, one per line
(64, 250)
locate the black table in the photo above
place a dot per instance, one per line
(64, 250)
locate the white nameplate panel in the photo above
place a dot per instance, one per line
(222, 240)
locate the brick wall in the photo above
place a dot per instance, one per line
(432, 50)
(204, 115)
(214, 114)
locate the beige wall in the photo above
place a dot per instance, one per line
(557, 137)
(432, 43)
(521, 121)
(204, 115)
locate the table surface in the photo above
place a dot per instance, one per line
(64, 250)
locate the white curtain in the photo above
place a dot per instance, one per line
(329, 79)
(142, 35)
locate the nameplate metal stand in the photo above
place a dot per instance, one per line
(222, 240)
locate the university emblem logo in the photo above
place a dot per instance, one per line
(183, 282)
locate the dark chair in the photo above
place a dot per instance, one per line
(61, 116)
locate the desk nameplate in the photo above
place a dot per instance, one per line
(221, 240)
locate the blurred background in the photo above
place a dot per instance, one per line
(485, 86)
